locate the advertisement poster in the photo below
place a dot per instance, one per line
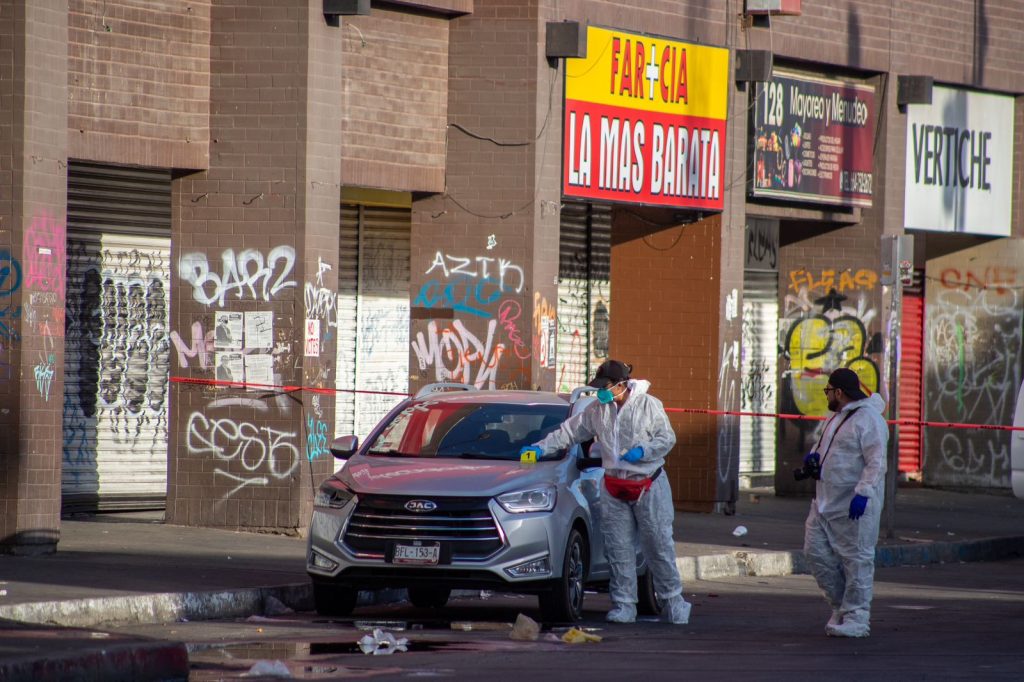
(259, 370)
(259, 329)
(814, 140)
(644, 121)
(959, 175)
(229, 367)
(228, 331)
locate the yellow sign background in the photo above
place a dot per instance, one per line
(707, 76)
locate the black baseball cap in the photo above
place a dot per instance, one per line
(847, 380)
(611, 372)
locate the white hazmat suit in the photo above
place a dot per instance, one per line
(841, 551)
(640, 421)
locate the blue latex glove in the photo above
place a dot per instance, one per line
(530, 449)
(634, 455)
(812, 458)
(857, 506)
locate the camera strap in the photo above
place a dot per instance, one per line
(834, 434)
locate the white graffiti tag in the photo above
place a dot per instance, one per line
(478, 267)
(246, 273)
(256, 449)
(454, 351)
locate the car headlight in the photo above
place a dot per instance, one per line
(536, 500)
(333, 494)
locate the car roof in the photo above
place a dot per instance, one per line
(497, 397)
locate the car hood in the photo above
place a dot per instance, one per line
(443, 476)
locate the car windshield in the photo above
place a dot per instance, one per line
(467, 430)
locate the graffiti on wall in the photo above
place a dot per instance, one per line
(973, 368)
(457, 354)
(245, 275)
(119, 351)
(258, 454)
(491, 323)
(824, 333)
(583, 329)
(10, 313)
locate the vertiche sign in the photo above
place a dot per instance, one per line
(814, 140)
(959, 173)
(644, 121)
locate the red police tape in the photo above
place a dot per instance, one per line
(683, 410)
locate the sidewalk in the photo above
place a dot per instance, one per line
(117, 568)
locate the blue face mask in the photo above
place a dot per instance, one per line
(605, 396)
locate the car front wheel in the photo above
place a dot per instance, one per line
(564, 601)
(334, 600)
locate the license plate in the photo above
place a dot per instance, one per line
(417, 554)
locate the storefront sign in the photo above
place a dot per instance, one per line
(814, 140)
(645, 121)
(959, 175)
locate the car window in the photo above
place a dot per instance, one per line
(468, 430)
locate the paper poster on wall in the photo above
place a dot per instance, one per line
(959, 168)
(259, 329)
(259, 371)
(229, 367)
(312, 343)
(228, 331)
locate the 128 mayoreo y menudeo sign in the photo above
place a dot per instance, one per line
(645, 121)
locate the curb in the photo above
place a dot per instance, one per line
(106, 659)
(743, 564)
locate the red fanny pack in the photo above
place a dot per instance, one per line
(628, 490)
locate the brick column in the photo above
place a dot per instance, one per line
(258, 233)
(485, 254)
(33, 196)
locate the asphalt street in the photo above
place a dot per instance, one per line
(943, 621)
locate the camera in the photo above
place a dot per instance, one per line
(810, 469)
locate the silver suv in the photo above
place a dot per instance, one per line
(437, 499)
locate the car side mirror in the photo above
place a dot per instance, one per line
(344, 447)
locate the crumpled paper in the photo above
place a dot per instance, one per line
(526, 629)
(577, 636)
(382, 643)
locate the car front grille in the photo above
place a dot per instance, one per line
(463, 525)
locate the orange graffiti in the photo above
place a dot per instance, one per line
(848, 281)
(541, 309)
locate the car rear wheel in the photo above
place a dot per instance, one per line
(648, 603)
(564, 601)
(334, 600)
(429, 597)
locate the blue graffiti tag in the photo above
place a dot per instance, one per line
(316, 438)
(10, 274)
(460, 294)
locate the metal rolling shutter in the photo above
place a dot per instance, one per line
(373, 292)
(116, 338)
(911, 368)
(759, 369)
(584, 292)
(348, 287)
